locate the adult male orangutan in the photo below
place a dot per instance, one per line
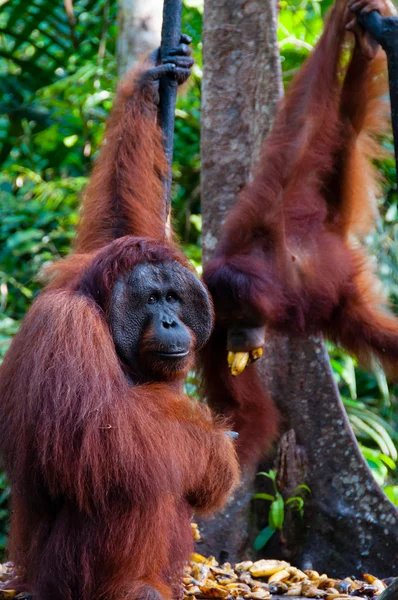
(106, 455)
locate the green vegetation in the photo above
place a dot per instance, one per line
(277, 508)
(56, 88)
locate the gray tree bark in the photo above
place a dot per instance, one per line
(241, 85)
(350, 526)
(240, 89)
(140, 24)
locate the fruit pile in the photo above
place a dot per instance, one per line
(265, 579)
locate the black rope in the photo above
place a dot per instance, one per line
(171, 34)
(385, 31)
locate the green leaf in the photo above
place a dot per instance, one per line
(261, 496)
(196, 221)
(391, 491)
(388, 461)
(27, 235)
(263, 537)
(271, 474)
(302, 486)
(297, 500)
(349, 377)
(392, 213)
(378, 467)
(380, 436)
(382, 383)
(276, 516)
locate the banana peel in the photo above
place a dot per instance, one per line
(238, 361)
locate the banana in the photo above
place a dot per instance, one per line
(239, 363)
(257, 353)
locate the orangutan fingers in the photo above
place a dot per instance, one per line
(185, 39)
(183, 62)
(181, 50)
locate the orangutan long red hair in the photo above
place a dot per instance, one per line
(290, 258)
(106, 455)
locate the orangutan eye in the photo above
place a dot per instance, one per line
(152, 299)
(170, 298)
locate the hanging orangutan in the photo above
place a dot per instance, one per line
(290, 257)
(106, 455)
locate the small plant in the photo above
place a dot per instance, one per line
(276, 515)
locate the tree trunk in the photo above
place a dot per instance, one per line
(349, 524)
(140, 24)
(241, 86)
(350, 527)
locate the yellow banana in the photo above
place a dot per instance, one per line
(239, 362)
(257, 353)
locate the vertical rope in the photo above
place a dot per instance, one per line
(171, 33)
(385, 31)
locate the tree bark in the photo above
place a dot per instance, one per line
(349, 525)
(140, 24)
(241, 86)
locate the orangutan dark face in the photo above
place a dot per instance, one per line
(159, 314)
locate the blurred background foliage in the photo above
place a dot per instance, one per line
(57, 79)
